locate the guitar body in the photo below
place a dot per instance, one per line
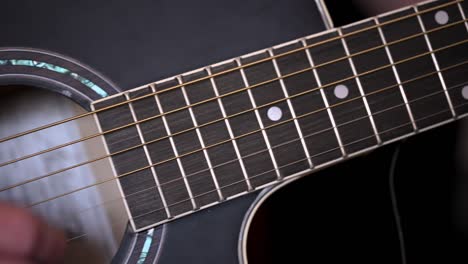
(336, 214)
(36, 78)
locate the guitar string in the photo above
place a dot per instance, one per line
(122, 175)
(219, 97)
(283, 166)
(297, 161)
(302, 160)
(243, 112)
(310, 135)
(222, 96)
(231, 70)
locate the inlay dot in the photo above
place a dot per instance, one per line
(465, 92)
(274, 113)
(441, 17)
(341, 91)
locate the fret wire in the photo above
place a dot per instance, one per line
(148, 158)
(436, 63)
(395, 72)
(200, 139)
(322, 153)
(462, 14)
(217, 74)
(374, 92)
(227, 94)
(296, 95)
(324, 98)
(231, 134)
(361, 90)
(291, 108)
(259, 119)
(176, 154)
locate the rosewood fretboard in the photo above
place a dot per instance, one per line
(272, 116)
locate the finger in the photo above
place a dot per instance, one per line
(27, 236)
(15, 261)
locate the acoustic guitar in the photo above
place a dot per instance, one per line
(174, 171)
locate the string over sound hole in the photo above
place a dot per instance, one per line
(94, 217)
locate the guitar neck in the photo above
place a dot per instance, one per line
(200, 138)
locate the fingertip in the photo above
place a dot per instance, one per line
(51, 245)
(25, 235)
(20, 230)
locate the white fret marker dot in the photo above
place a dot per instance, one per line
(465, 92)
(441, 17)
(341, 91)
(274, 113)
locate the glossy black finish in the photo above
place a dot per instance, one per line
(146, 41)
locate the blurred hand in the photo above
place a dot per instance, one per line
(25, 239)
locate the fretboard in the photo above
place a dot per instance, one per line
(200, 138)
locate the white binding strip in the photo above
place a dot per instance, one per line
(259, 119)
(436, 63)
(325, 101)
(291, 108)
(148, 158)
(176, 153)
(361, 90)
(395, 72)
(231, 134)
(200, 139)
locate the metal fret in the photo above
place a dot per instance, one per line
(259, 120)
(405, 99)
(463, 15)
(145, 148)
(202, 143)
(358, 81)
(436, 64)
(179, 163)
(291, 108)
(231, 134)
(325, 101)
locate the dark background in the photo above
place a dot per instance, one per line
(343, 213)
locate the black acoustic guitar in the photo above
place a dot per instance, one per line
(174, 171)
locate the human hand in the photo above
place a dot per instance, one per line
(25, 239)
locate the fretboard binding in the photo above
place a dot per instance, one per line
(397, 77)
(436, 63)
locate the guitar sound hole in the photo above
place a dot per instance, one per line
(93, 218)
